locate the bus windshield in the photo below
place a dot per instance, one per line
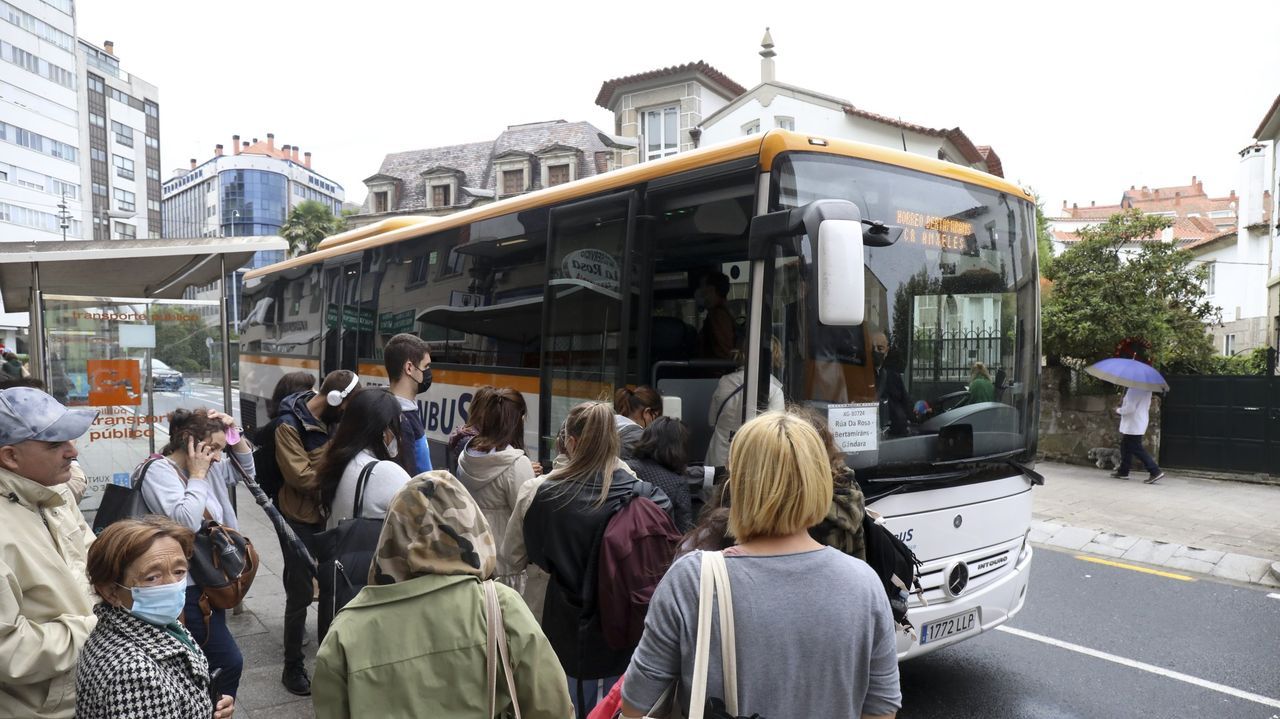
(943, 371)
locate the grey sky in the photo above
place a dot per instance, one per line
(1080, 100)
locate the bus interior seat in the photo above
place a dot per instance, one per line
(695, 401)
(672, 340)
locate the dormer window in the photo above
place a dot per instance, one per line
(559, 164)
(440, 196)
(383, 193)
(661, 132)
(511, 171)
(440, 186)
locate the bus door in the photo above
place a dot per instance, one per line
(586, 312)
(695, 318)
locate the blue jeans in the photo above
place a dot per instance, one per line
(219, 647)
(1130, 447)
(593, 690)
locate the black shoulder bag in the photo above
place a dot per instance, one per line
(120, 502)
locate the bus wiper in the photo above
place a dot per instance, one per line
(878, 234)
(918, 478)
(971, 460)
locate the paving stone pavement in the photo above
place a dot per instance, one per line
(259, 629)
(1221, 528)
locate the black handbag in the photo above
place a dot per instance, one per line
(345, 554)
(123, 502)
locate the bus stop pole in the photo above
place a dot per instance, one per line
(35, 328)
(226, 335)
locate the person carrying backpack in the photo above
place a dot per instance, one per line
(358, 462)
(264, 438)
(563, 531)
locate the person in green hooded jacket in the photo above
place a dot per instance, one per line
(981, 388)
(414, 641)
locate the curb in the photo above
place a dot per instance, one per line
(1210, 562)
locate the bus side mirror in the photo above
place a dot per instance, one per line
(837, 227)
(841, 298)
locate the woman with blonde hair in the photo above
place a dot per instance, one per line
(981, 388)
(562, 529)
(813, 617)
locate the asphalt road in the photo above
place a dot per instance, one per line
(1200, 644)
(195, 394)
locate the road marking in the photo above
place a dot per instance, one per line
(1136, 568)
(1143, 666)
(1273, 596)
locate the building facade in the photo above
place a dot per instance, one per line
(120, 159)
(670, 110)
(441, 180)
(1261, 219)
(246, 192)
(41, 188)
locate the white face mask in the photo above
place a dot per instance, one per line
(392, 446)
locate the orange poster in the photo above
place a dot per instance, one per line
(114, 382)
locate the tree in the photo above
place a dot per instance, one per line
(1044, 239)
(181, 343)
(308, 223)
(1103, 294)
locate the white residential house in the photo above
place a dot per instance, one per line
(1262, 220)
(675, 109)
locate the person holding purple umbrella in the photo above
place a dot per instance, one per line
(1134, 412)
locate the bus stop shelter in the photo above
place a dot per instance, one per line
(96, 309)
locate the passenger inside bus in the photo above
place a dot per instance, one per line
(716, 339)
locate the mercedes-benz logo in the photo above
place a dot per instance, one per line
(957, 579)
(957, 521)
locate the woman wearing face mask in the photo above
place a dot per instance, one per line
(367, 433)
(635, 409)
(191, 482)
(139, 661)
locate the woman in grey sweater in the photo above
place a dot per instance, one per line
(194, 480)
(814, 636)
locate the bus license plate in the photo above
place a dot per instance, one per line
(949, 626)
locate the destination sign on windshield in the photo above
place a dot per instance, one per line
(941, 233)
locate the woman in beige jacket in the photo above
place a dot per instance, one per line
(493, 466)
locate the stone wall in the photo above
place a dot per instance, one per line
(1071, 425)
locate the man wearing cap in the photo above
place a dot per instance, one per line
(46, 604)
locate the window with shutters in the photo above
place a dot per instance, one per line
(512, 182)
(557, 175)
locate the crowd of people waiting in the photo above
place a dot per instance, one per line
(488, 591)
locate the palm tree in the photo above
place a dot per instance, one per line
(308, 223)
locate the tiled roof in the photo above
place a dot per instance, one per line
(1204, 241)
(475, 160)
(955, 135)
(989, 156)
(1187, 232)
(261, 148)
(609, 87)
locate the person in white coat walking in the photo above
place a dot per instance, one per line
(1134, 414)
(493, 466)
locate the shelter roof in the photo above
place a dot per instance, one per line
(143, 268)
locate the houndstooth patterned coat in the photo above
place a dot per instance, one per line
(129, 668)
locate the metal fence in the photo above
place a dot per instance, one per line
(948, 355)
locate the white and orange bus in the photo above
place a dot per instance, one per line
(884, 277)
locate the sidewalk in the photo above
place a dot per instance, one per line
(1222, 528)
(259, 629)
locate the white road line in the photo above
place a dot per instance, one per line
(1143, 666)
(1273, 596)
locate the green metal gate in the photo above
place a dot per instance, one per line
(1223, 423)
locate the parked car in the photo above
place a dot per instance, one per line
(164, 377)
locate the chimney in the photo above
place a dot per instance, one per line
(293, 153)
(285, 151)
(306, 159)
(243, 146)
(271, 142)
(1132, 188)
(1233, 194)
(1253, 177)
(1075, 206)
(110, 47)
(235, 144)
(255, 141)
(217, 150)
(193, 163)
(766, 57)
(1092, 203)
(602, 162)
(1064, 204)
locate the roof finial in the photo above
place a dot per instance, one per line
(767, 54)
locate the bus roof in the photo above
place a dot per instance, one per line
(767, 146)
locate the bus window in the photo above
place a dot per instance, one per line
(696, 304)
